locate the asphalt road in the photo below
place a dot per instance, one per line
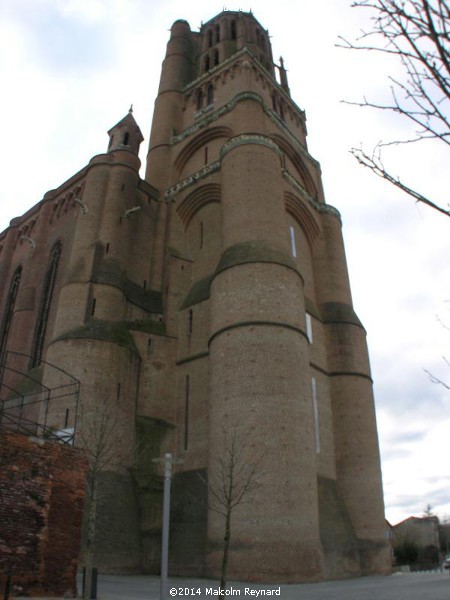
(420, 586)
(415, 586)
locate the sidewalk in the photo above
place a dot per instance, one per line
(414, 586)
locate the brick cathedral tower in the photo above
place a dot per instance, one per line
(207, 301)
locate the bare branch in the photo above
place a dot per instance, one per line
(416, 32)
(434, 379)
(376, 166)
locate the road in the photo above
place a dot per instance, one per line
(415, 586)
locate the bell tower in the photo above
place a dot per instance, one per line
(251, 264)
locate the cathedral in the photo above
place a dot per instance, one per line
(205, 305)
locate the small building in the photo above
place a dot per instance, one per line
(415, 541)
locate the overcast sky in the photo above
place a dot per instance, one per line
(69, 70)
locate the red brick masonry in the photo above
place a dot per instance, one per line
(42, 487)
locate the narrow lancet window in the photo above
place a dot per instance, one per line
(190, 321)
(9, 310)
(233, 30)
(49, 288)
(293, 244)
(186, 411)
(309, 331)
(199, 100)
(126, 137)
(217, 31)
(216, 57)
(315, 415)
(201, 234)
(210, 95)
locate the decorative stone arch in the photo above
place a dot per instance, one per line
(298, 162)
(200, 140)
(304, 215)
(196, 200)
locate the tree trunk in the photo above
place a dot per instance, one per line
(89, 555)
(226, 546)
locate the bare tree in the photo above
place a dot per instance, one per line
(98, 439)
(428, 511)
(235, 476)
(416, 33)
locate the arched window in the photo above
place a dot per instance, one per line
(126, 137)
(199, 100)
(9, 310)
(207, 63)
(49, 287)
(216, 57)
(274, 102)
(210, 38)
(233, 30)
(217, 32)
(209, 95)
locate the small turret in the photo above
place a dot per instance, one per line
(125, 135)
(283, 77)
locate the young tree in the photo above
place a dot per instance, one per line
(416, 33)
(98, 438)
(235, 476)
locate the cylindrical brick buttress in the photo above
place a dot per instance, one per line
(259, 386)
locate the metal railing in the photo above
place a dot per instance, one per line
(30, 407)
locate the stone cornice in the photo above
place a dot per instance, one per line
(214, 115)
(188, 181)
(318, 206)
(249, 138)
(239, 140)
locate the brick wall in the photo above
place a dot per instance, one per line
(42, 486)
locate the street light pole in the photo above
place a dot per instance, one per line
(165, 524)
(168, 461)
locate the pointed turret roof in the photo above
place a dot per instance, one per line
(125, 135)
